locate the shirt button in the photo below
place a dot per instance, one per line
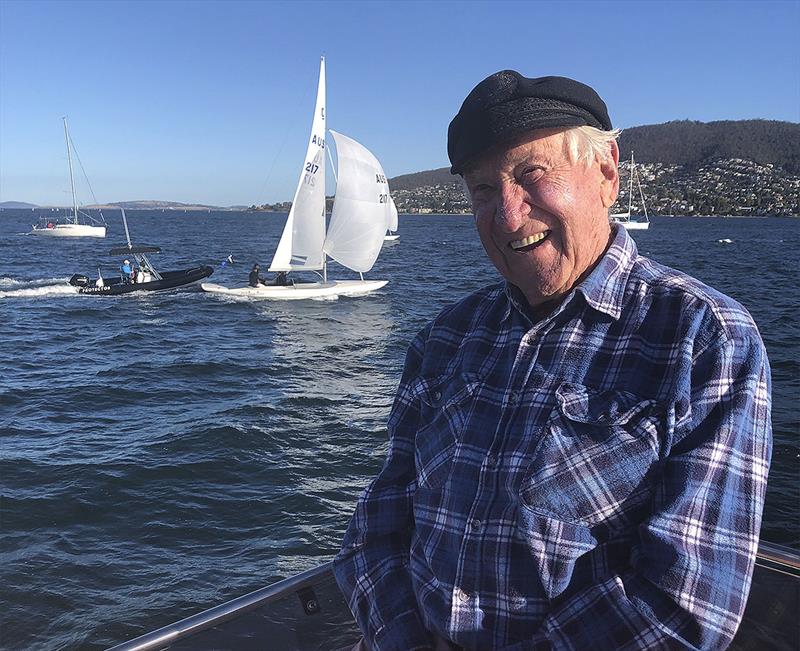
(437, 396)
(513, 399)
(461, 595)
(516, 600)
(491, 461)
(476, 525)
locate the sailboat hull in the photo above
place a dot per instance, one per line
(299, 291)
(632, 225)
(70, 230)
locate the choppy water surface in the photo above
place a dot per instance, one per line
(163, 453)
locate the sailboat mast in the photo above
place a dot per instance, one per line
(333, 169)
(630, 186)
(71, 177)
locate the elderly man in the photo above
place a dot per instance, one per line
(578, 456)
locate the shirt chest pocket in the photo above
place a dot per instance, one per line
(596, 456)
(445, 405)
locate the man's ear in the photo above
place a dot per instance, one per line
(609, 168)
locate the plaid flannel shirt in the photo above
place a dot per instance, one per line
(594, 480)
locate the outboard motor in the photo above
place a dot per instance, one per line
(79, 280)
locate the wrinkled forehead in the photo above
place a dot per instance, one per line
(543, 145)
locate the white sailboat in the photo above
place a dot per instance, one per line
(391, 233)
(625, 218)
(79, 224)
(361, 214)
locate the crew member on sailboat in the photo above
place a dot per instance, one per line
(578, 456)
(254, 279)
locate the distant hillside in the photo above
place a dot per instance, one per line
(694, 144)
(156, 205)
(682, 142)
(16, 205)
(440, 176)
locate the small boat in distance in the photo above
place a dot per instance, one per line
(625, 218)
(391, 232)
(362, 213)
(80, 224)
(144, 278)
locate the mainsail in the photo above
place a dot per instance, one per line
(362, 210)
(300, 246)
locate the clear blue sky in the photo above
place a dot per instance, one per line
(211, 102)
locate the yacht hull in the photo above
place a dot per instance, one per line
(299, 291)
(69, 230)
(635, 226)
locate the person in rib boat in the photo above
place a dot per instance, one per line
(577, 455)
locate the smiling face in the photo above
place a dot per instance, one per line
(542, 218)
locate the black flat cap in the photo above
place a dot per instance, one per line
(506, 104)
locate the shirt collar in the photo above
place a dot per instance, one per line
(517, 301)
(603, 288)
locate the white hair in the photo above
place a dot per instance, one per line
(585, 144)
(581, 145)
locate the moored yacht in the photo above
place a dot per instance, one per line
(79, 224)
(626, 218)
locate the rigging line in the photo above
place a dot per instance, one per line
(85, 176)
(280, 150)
(272, 165)
(641, 194)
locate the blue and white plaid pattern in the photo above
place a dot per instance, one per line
(591, 481)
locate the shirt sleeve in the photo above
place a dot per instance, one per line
(690, 571)
(372, 567)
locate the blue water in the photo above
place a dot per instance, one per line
(163, 453)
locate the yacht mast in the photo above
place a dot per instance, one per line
(71, 177)
(630, 186)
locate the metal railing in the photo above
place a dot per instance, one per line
(772, 558)
(217, 615)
